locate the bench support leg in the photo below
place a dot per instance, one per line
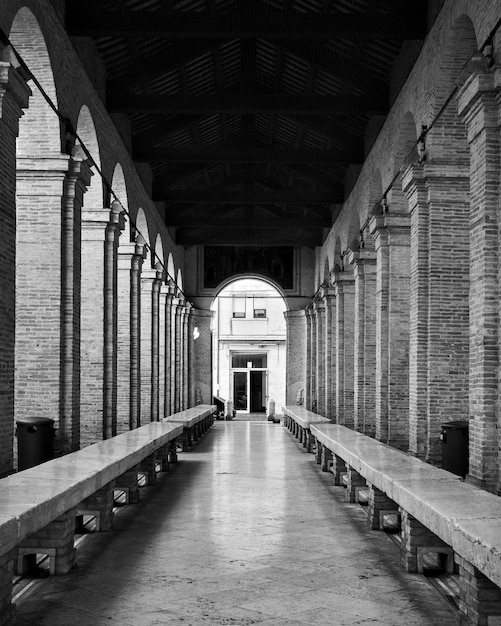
(56, 540)
(128, 482)
(355, 481)
(99, 504)
(379, 503)
(163, 458)
(326, 459)
(479, 598)
(417, 540)
(173, 451)
(147, 466)
(7, 609)
(338, 469)
(309, 442)
(318, 452)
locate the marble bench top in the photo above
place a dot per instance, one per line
(467, 518)
(192, 416)
(32, 498)
(303, 417)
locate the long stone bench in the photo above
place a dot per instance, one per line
(39, 505)
(298, 420)
(196, 421)
(439, 513)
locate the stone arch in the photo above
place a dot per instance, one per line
(43, 301)
(353, 234)
(119, 188)
(406, 154)
(459, 46)
(171, 270)
(141, 226)
(86, 130)
(179, 280)
(39, 130)
(405, 150)
(158, 255)
(337, 256)
(326, 271)
(225, 283)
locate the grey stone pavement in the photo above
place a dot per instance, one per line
(245, 529)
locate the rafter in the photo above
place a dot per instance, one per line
(244, 103)
(87, 18)
(298, 237)
(244, 154)
(215, 218)
(249, 196)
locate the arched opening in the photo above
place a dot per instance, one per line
(39, 227)
(93, 197)
(249, 345)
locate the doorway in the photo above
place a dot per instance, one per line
(250, 391)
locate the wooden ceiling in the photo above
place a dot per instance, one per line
(249, 112)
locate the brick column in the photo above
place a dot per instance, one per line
(201, 365)
(178, 347)
(439, 316)
(478, 104)
(330, 353)
(14, 95)
(75, 184)
(49, 197)
(185, 364)
(319, 313)
(135, 332)
(364, 342)
(100, 233)
(173, 350)
(151, 280)
(296, 355)
(391, 236)
(190, 367)
(307, 389)
(344, 288)
(162, 352)
(313, 360)
(124, 264)
(130, 260)
(169, 333)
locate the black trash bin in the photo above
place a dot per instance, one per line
(454, 438)
(35, 441)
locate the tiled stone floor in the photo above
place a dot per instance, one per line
(244, 530)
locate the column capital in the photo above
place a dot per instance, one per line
(362, 257)
(478, 84)
(387, 228)
(295, 314)
(12, 84)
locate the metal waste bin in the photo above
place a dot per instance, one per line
(454, 438)
(35, 441)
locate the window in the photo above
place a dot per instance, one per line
(238, 306)
(259, 312)
(256, 360)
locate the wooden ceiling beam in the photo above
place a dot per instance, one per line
(249, 236)
(245, 154)
(213, 220)
(249, 196)
(88, 18)
(246, 103)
